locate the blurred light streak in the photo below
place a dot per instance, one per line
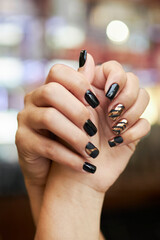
(151, 113)
(11, 72)
(59, 34)
(117, 31)
(10, 34)
(8, 127)
(3, 99)
(34, 72)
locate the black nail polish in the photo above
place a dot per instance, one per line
(90, 128)
(91, 99)
(91, 150)
(112, 91)
(115, 141)
(89, 167)
(82, 58)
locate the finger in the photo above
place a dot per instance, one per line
(52, 150)
(111, 77)
(86, 65)
(75, 82)
(54, 121)
(136, 132)
(133, 114)
(125, 99)
(56, 96)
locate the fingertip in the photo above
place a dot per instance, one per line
(86, 65)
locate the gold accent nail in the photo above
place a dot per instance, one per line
(116, 112)
(119, 127)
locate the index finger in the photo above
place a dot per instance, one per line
(75, 82)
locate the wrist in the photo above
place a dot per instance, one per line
(71, 205)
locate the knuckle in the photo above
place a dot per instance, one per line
(115, 63)
(45, 92)
(81, 82)
(20, 116)
(27, 98)
(50, 151)
(18, 137)
(46, 117)
(55, 69)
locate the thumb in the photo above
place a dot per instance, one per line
(86, 65)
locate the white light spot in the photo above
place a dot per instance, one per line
(117, 31)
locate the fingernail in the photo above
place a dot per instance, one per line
(91, 150)
(91, 99)
(90, 128)
(112, 91)
(119, 127)
(116, 112)
(89, 167)
(115, 141)
(82, 58)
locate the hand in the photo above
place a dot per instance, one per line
(128, 103)
(60, 107)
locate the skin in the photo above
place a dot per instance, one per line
(52, 168)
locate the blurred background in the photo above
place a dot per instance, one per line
(35, 34)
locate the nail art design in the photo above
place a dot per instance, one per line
(82, 58)
(112, 91)
(90, 128)
(91, 150)
(88, 167)
(115, 141)
(91, 99)
(119, 127)
(116, 112)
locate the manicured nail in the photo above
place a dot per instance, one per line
(91, 99)
(116, 112)
(115, 141)
(119, 127)
(89, 167)
(82, 58)
(90, 128)
(112, 91)
(91, 150)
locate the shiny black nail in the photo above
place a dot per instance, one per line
(115, 141)
(91, 99)
(112, 91)
(82, 58)
(90, 128)
(89, 167)
(91, 150)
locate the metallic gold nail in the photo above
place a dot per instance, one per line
(91, 150)
(116, 112)
(115, 141)
(119, 127)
